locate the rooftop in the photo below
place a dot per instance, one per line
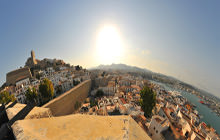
(81, 127)
(158, 120)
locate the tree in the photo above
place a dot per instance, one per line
(77, 68)
(3, 86)
(76, 82)
(46, 89)
(99, 93)
(93, 103)
(103, 74)
(77, 105)
(58, 89)
(32, 95)
(6, 97)
(148, 100)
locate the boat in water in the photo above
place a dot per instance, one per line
(201, 102)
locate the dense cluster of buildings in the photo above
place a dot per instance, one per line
(121, 94)
(173, 116)
(182, 117)
(62, 76)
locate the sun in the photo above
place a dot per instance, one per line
(109, 45)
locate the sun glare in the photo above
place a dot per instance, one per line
(109, 46)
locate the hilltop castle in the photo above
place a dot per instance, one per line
(32, 62)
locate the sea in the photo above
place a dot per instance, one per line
(206, 113)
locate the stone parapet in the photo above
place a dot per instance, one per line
(80, 127)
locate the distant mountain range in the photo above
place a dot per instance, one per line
(121, 67)
(132, 69)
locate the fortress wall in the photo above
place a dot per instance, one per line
(64, 104)
(18, 74)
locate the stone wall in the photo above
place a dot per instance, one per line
(17, 75)
(35, 113)
(65, 103)
(79, 127)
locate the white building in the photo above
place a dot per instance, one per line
(21, 87)
(211, 136)
(62, 68)
(185, 127)
(35, 83)
(66, 85)
(48, 72)
(195, 136)
(124, 82)
(157, 125)
(162, 113)
(108, 91)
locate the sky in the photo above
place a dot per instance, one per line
(176, 38)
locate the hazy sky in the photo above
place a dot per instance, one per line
(177, 38)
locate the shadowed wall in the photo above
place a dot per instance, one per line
(17, 75)
(64, 104)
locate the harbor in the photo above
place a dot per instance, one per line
(205, 113)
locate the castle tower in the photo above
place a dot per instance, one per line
(34, 62)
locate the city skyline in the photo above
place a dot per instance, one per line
(180, 39)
